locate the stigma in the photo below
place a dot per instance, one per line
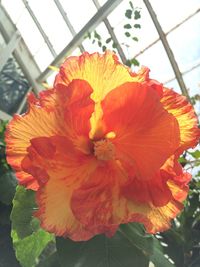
(104, 150)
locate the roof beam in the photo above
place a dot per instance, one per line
(102, 13)
(168, 50)
(67, 21)
(21, 52)
(42, 32)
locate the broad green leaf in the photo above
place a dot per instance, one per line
(128, 13)
(29, 239)
(21, 216)
(158, 258)
(29, 248)
(118, 251)
(135, 233)
(8, 185)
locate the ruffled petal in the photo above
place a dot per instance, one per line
(103, 72)
(58, 173)
(101, 204)
(182, 110)
(54, 113)
(146, 135)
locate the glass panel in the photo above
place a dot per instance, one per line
(156, 59)
(29, 32)
(52, 23)
(13, 87)
(43, 57)
(192, 81)
(14, 9)
(79, 12)
(172, 12)
(184, 42)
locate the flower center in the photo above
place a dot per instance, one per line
(104, 150)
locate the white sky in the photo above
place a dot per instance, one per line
(185, 40)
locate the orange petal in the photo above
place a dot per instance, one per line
(146, 135)
(92, 203)
(54, 113)
(154, 191)
(58, 176)
(102, 72)
(101, 205)
(182, 110)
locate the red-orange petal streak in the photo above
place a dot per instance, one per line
(146, 135)
(63, 112)
(183, 111)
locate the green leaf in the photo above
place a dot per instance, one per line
(158, 257)
(29, 239)
(29, 249)
(134, 232)
(137, 26)
(127, 26)
(101, 251)
(128, 13)
(132, 61)
(103, 48)
(137, 14)
(97, 36)
(135, 39)
(108, 40)
(195, 154)
(127, 34)
(21, 216)
(131, 4)
(99, 44)
(8, 185)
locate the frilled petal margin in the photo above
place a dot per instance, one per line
(183, 111)
(145, 134)
(56, 112)
(59, 169)
(103, 205)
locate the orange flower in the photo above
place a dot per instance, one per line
(101, 148)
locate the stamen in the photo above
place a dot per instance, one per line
(104, 150)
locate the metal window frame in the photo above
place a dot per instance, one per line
(67, 21)
(42, 32)
(101, 14)
(168, 49)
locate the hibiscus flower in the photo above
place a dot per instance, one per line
(101, 149)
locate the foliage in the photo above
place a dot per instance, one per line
(131, 16)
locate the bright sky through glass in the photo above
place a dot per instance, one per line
(185, 40)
